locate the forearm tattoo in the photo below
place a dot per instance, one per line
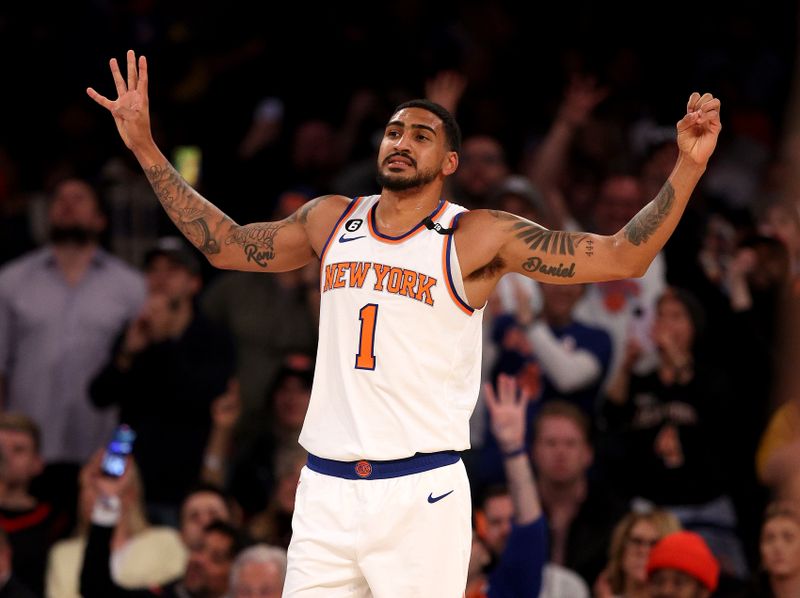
(646, 222)
(190, 212)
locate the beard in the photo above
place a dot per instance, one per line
(73, 235)
(404, 183)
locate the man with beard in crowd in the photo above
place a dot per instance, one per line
(61, 307)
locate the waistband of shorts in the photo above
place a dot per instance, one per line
(379, 470)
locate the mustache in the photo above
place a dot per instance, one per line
(401, 155)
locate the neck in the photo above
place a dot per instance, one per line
(561, 494)
(555, 321)
(17, 498)
(73, 260)
(785, 586)
(402, 210)
(635, 589)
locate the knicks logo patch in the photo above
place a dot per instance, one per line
(363, 469)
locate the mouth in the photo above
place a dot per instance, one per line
(398, 160)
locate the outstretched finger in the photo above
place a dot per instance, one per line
(100, 99)
(142, 75)
(119, 82)
(132, 77)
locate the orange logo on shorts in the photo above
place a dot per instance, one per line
(363, 469)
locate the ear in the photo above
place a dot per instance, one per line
(481, 525)
(450, 163)
(38, 466)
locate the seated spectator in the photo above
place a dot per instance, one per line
(625, 576)
(210, 557)
(580, 513)
(258, 572)
(10, 585)
(144, 555)
(780, 551)
(172, 362)
(203, 504)
(681, 565)
(254, 475)
(274, 524)
(31, 525)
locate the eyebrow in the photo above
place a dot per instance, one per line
(402, 125)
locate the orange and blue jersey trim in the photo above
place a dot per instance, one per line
(348, 210)
(373, 228)
(451, 289)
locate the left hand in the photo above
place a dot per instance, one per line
(507, 409)
(699, 129)
(227, 407)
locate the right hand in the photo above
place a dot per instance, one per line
(507, 408)
(131, 109)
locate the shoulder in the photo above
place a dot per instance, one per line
(321, 209)
(123, 271)
(18, 268)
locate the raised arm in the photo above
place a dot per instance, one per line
(266, 246)
(514, 244)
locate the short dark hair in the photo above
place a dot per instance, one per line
(452, 131)
(238, 541)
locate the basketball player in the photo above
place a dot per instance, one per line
(383, 506)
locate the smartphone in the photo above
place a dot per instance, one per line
(118, 449)
(188, 160)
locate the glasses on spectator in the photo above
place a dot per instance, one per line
(642, 542)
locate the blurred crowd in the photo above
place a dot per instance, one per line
(661, 413)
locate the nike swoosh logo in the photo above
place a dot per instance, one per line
(344, 239)
(432, 499)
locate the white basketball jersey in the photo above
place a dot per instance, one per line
(399, 356)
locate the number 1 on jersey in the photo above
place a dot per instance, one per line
(365, 358)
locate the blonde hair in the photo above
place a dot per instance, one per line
(664, 522)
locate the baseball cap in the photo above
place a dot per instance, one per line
(686, 552)
(176, 250)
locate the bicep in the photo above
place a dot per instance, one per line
(266, 247)
(559, 257)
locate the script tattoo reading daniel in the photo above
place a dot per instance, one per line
(548, 242)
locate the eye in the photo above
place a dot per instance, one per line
(421, 137)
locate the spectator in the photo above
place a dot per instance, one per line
(60, 307)
(682, 566)
(510, 524)
(622, 307)
(258, 572)
(10, 585)
(286, 405)
(580, 513)
(780, 550)
(202, 505)
(171, 361)
(671, 424)
(626, 573)
(31, 525)
(144, 555)
(482, 168)
(274, 524)
(210, 557)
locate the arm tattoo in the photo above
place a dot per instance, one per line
(647, 221)
(538, 238)
(190, 212)
(257, 241)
